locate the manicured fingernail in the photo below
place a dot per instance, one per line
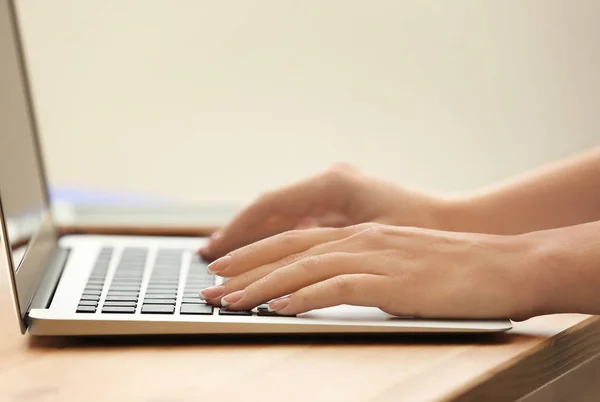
(232, 298)
(219, 265)
(212, 293)
(278, 304)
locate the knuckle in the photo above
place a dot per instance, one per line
(289, 237)
(345, 286)
(265, 197)
(242, 280)
(302, 297)
(262, 283)
(365, 226)
(289, 259)
(343, 167)
(340, 173)
(311, 263)
(385, 301)
(368, 225)
(371, 235)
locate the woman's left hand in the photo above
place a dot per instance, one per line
(402, 271)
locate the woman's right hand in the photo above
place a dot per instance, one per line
(341, 196)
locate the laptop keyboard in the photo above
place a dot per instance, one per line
(126, 294)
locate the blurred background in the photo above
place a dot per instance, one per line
(213, 101)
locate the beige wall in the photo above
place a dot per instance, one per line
(217, 100)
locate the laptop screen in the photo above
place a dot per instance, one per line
(27, 230)
(21, 184)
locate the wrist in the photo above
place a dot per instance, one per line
(558, 274)
(534, 285)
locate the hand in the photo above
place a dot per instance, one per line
(402, 271)
(340, 197)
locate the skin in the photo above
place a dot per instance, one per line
(519, 249)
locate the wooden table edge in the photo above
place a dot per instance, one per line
(536, 367)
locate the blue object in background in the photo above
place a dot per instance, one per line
(89, 196)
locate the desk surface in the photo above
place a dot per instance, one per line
(510, 366)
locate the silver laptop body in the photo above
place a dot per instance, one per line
(111, 285)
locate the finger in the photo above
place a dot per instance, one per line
(354, 289)
(283, 247)
(272, 213)
(213, 295)
(294, 263)
(306, 271)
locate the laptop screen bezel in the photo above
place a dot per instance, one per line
(26, 278)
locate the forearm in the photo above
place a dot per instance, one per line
(562, 272)
(562, 194)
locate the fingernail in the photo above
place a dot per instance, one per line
(219, 265)
(232, 298)
(212, 293)
(278, 304)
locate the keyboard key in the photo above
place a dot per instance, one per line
(171, 265)
(193, 300)
(224, 311)
(196, 276)
(126, 282)
(88, 303)
(158, 309)
(130, 267)
(118, 310)
(161, 291)
(131, 296)
(92, 292)
(120, 303)
(200, 281)
(264, 312)
(90, 297)
(203, 309)
(165, 282)
(160, 301)
(198, 284)
(130, 280)
(195, 292)
(121, 298)
(162, 287)
(200, 278)
(97, 280)
(86, 309)
(161, 296)
(125, 288)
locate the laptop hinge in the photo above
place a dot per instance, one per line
(45, 292)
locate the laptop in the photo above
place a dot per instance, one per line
(96, 285)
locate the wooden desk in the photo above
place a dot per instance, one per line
(406, 369)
